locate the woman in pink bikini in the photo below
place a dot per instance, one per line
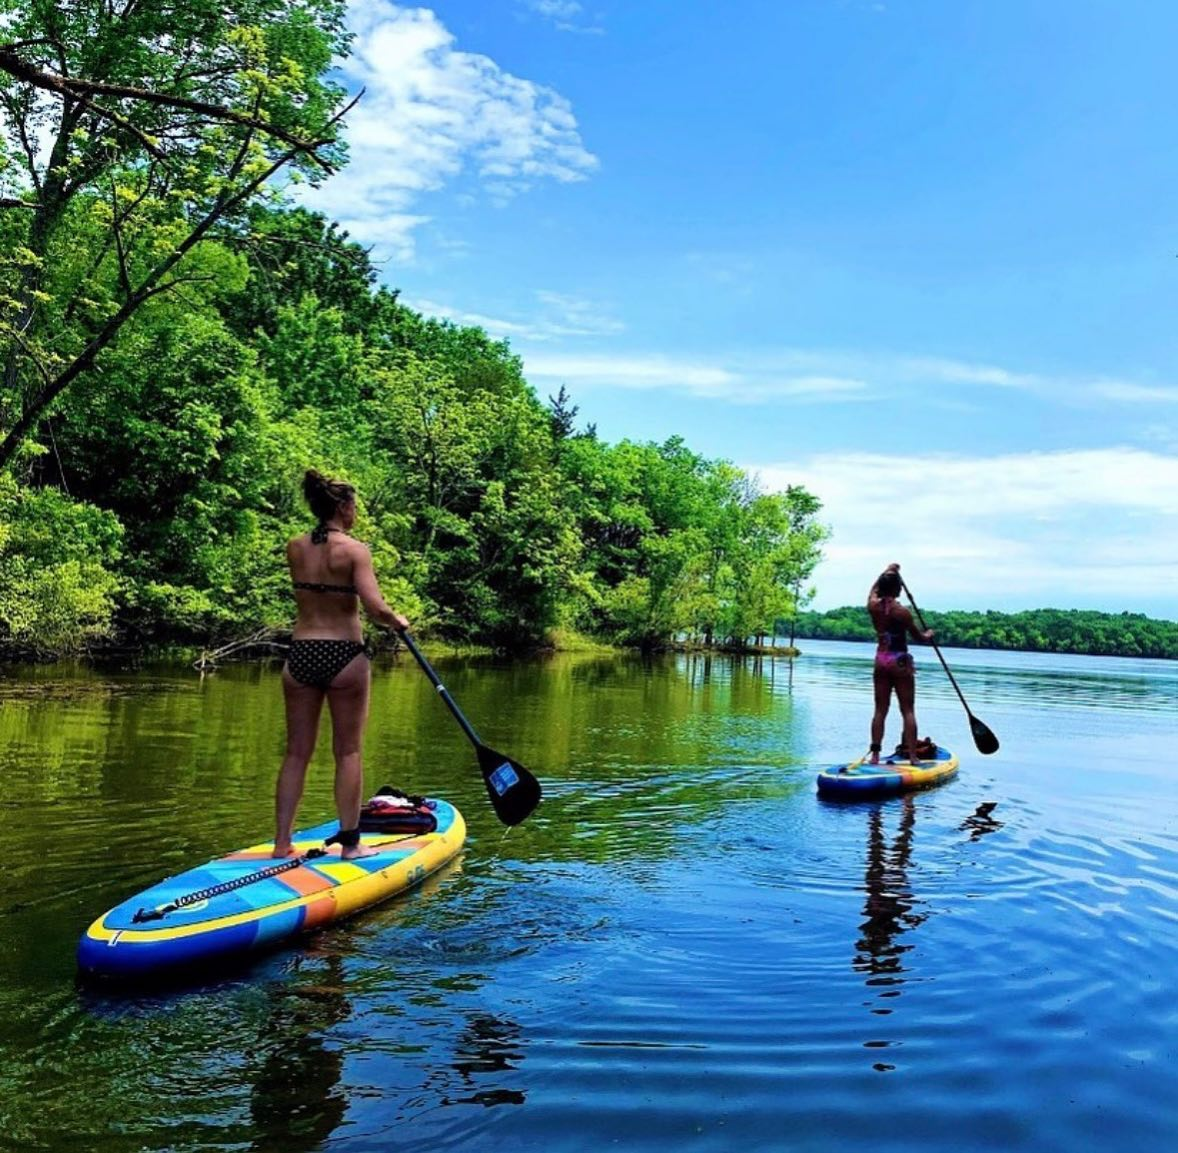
(328, 660)
(894, 668)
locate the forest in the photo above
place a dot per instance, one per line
(1037, 630)
(180, 341)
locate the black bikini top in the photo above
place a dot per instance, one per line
(319, 536)
(318, 587)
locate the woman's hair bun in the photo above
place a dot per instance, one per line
(325, 495)
(313, 482)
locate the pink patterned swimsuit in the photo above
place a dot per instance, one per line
(893, 656)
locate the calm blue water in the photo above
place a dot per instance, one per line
(684, 947)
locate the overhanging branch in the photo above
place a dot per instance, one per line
(84, 91)
(152, 285)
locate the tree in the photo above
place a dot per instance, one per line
(473, 478)
(562, 414)
(162, 122)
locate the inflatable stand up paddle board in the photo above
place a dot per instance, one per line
(894, 774)
(249, 900)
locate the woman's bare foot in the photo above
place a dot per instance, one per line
(352, 852)
(873, 759)
(286, 850)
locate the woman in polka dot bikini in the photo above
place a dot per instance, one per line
(333, 576)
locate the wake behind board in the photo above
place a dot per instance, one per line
(858, 781)
(248, 900)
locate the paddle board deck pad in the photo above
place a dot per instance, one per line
(893, 774)
(249, 900)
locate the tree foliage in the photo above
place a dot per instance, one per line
(135, 132)
(1037, 630)
(178, 344)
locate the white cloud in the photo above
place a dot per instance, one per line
(558, 316)
(572, 316)
(638, 372)
(962, 372)
(557, 9)
(818, 375)
(736, 272)
(1095, 527)
(720, 382)
(494, 326)
(565, 15)
(1125, 392)
(430, 114)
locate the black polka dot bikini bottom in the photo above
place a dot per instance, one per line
(319, 662)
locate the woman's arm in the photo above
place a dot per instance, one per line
(873, 597)
(925, 635)
(364, 578)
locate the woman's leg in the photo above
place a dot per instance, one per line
(906, 698)
(304, 703)
(347, 698)
(883, 699)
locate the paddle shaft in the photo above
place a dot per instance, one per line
(436, 681)
(948, 672)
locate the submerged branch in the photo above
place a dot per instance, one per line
(265, 638)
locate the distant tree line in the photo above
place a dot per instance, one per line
(178, 344)
(1036, 630)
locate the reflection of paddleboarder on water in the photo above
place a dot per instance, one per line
(297, 1099)
(889, 904)
(894, 669)
(981, 821)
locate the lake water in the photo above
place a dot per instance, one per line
(684, 948)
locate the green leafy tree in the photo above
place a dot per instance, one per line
(162, 122)
(1035, 630)
(58, 579)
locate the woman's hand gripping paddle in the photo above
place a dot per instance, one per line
(514, 792)
(985, 740)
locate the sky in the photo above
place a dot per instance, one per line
(920, 257)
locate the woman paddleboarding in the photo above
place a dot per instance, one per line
(894, 669)
(332, 576)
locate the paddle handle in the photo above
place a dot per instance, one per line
(436, 681)
(944, 665)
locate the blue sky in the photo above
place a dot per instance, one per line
(920, 256)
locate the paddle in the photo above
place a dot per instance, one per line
(514, 792)
(985, 740)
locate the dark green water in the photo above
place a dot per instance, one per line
(684, 947)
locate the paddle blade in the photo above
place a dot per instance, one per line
(514, 792)
(985, 740)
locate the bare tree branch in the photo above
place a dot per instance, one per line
(122, 122)
(84, 90)
(357, 258)
(31, 354)
(18, 118)
(152, 285)
(116, 227)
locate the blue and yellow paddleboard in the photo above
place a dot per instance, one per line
(857, 781)
(249, 900)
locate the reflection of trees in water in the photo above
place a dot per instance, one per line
(749, 677)
(296, 1100)
(888, 909)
